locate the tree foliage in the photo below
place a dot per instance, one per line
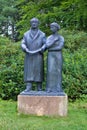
(70, 14)
(8, 17)
(41, 9)
(74, 14)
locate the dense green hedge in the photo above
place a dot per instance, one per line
(11, 69)
(75, 73)
(74, 66)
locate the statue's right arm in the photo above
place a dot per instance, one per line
(23, 45)
(24, 48)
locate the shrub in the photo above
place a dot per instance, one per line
(74, 66)
(11, 70)
(75, 73)
(74, 40)
(75, 63)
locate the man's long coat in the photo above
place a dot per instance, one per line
(33, 64)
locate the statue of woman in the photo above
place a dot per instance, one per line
(54, 44)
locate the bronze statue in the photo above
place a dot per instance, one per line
(34, 44)
(32, 41)
(54, 45)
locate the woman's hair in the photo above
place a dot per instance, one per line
(56, 25)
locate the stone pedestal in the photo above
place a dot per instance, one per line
(43, 105)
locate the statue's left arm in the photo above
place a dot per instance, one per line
(60, 44)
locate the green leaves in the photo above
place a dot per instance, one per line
(11, 69)
(70, 14)
(74, 66)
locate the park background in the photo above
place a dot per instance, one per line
(15, 18)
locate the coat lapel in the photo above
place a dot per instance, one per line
(34, 37)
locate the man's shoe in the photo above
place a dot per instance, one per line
(28, 87)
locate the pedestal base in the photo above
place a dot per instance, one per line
(43, 105)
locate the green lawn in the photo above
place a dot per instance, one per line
(10, 119)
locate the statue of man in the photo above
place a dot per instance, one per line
(54, 45)
(33, 40)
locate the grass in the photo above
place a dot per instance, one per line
(10, 119)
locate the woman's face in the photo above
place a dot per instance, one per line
(53, 28)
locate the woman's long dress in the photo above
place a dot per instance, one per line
(54, 63)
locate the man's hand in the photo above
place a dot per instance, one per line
(43, 48)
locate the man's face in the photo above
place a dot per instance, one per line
(34, 24)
